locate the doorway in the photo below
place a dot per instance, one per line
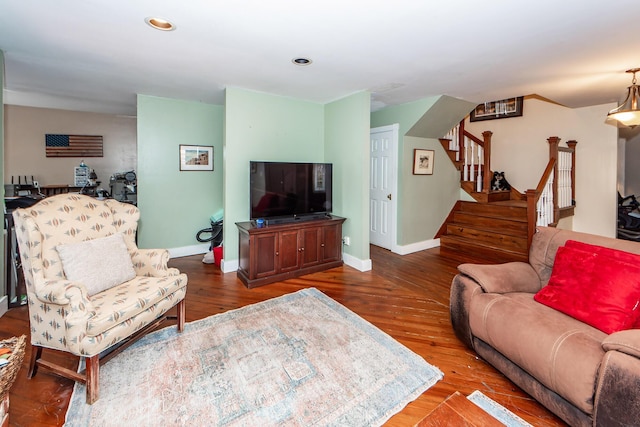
(383, 186)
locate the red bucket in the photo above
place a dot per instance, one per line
(217, 255)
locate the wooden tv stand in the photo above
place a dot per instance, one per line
(279, 252)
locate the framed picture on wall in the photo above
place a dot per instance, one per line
(196, 158)
(510, 107)
(423, 162)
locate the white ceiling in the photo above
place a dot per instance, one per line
(95, 55)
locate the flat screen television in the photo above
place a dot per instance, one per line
(284, 191)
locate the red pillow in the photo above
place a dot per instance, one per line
(602, 291)
(613, 253)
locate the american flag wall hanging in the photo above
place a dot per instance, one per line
(73, 145)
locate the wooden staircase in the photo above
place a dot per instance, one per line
(495, 230)
(499, 226)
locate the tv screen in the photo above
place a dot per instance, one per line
(279, 189)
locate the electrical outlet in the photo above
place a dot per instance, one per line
(346, 240)
(36, 184)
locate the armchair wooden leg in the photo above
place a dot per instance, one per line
(93, 373)
(36, 353)
(181, 315)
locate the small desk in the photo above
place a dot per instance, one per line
(52, 190)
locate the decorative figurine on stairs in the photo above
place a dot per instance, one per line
(499, 182)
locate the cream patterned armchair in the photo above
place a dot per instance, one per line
(85, 307)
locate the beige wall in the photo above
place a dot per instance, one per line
(24, 144)
(520, 149)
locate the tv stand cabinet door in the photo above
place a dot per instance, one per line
(331, 243)
(310, 252)
(287, 251)
(264, 255)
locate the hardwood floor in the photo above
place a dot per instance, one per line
(405, 296)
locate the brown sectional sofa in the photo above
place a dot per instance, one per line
(578, 372)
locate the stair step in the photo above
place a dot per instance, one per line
(491, 253)
(499, 224)
(515, 212)
(492, 237)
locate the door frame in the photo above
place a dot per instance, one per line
(393, 226)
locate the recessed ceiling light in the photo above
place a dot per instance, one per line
(301, 61)
(159, 24)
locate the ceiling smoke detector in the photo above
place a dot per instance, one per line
(159, 24)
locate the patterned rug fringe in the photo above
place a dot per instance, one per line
(497, 411)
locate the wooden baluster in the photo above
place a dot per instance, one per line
(554, 141)
(486, 135)
(572, 145)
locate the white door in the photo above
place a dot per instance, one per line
(382, 186)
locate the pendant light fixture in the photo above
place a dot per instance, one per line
(628, 113)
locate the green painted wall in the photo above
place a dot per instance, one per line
(260, 126)
(409, 211)
(174, 205)
(347, 125)
(424, 200)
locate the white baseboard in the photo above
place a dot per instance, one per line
(416, 247)
(4, 305)
(189, 250)
(357, 263)
(229, 266)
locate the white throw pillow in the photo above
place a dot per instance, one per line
(99, 264)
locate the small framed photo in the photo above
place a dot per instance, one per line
(196, 158)
(510, 107)
(423, 162)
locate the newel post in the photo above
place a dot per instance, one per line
(532, 215)
(486, 176)
(572, 145)
(554, 142)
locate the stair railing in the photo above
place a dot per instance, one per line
(553, 198)
(472, 156)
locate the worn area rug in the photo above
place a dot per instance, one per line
(300, 360)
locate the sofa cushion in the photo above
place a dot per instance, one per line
(99, 264)
(594, 287)
(559, 351)
(547, 240)
(602, 250)
(68, 218)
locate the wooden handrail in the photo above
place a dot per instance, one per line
(532, 200)
(485, 143)
(473, 138)
(546, 174)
